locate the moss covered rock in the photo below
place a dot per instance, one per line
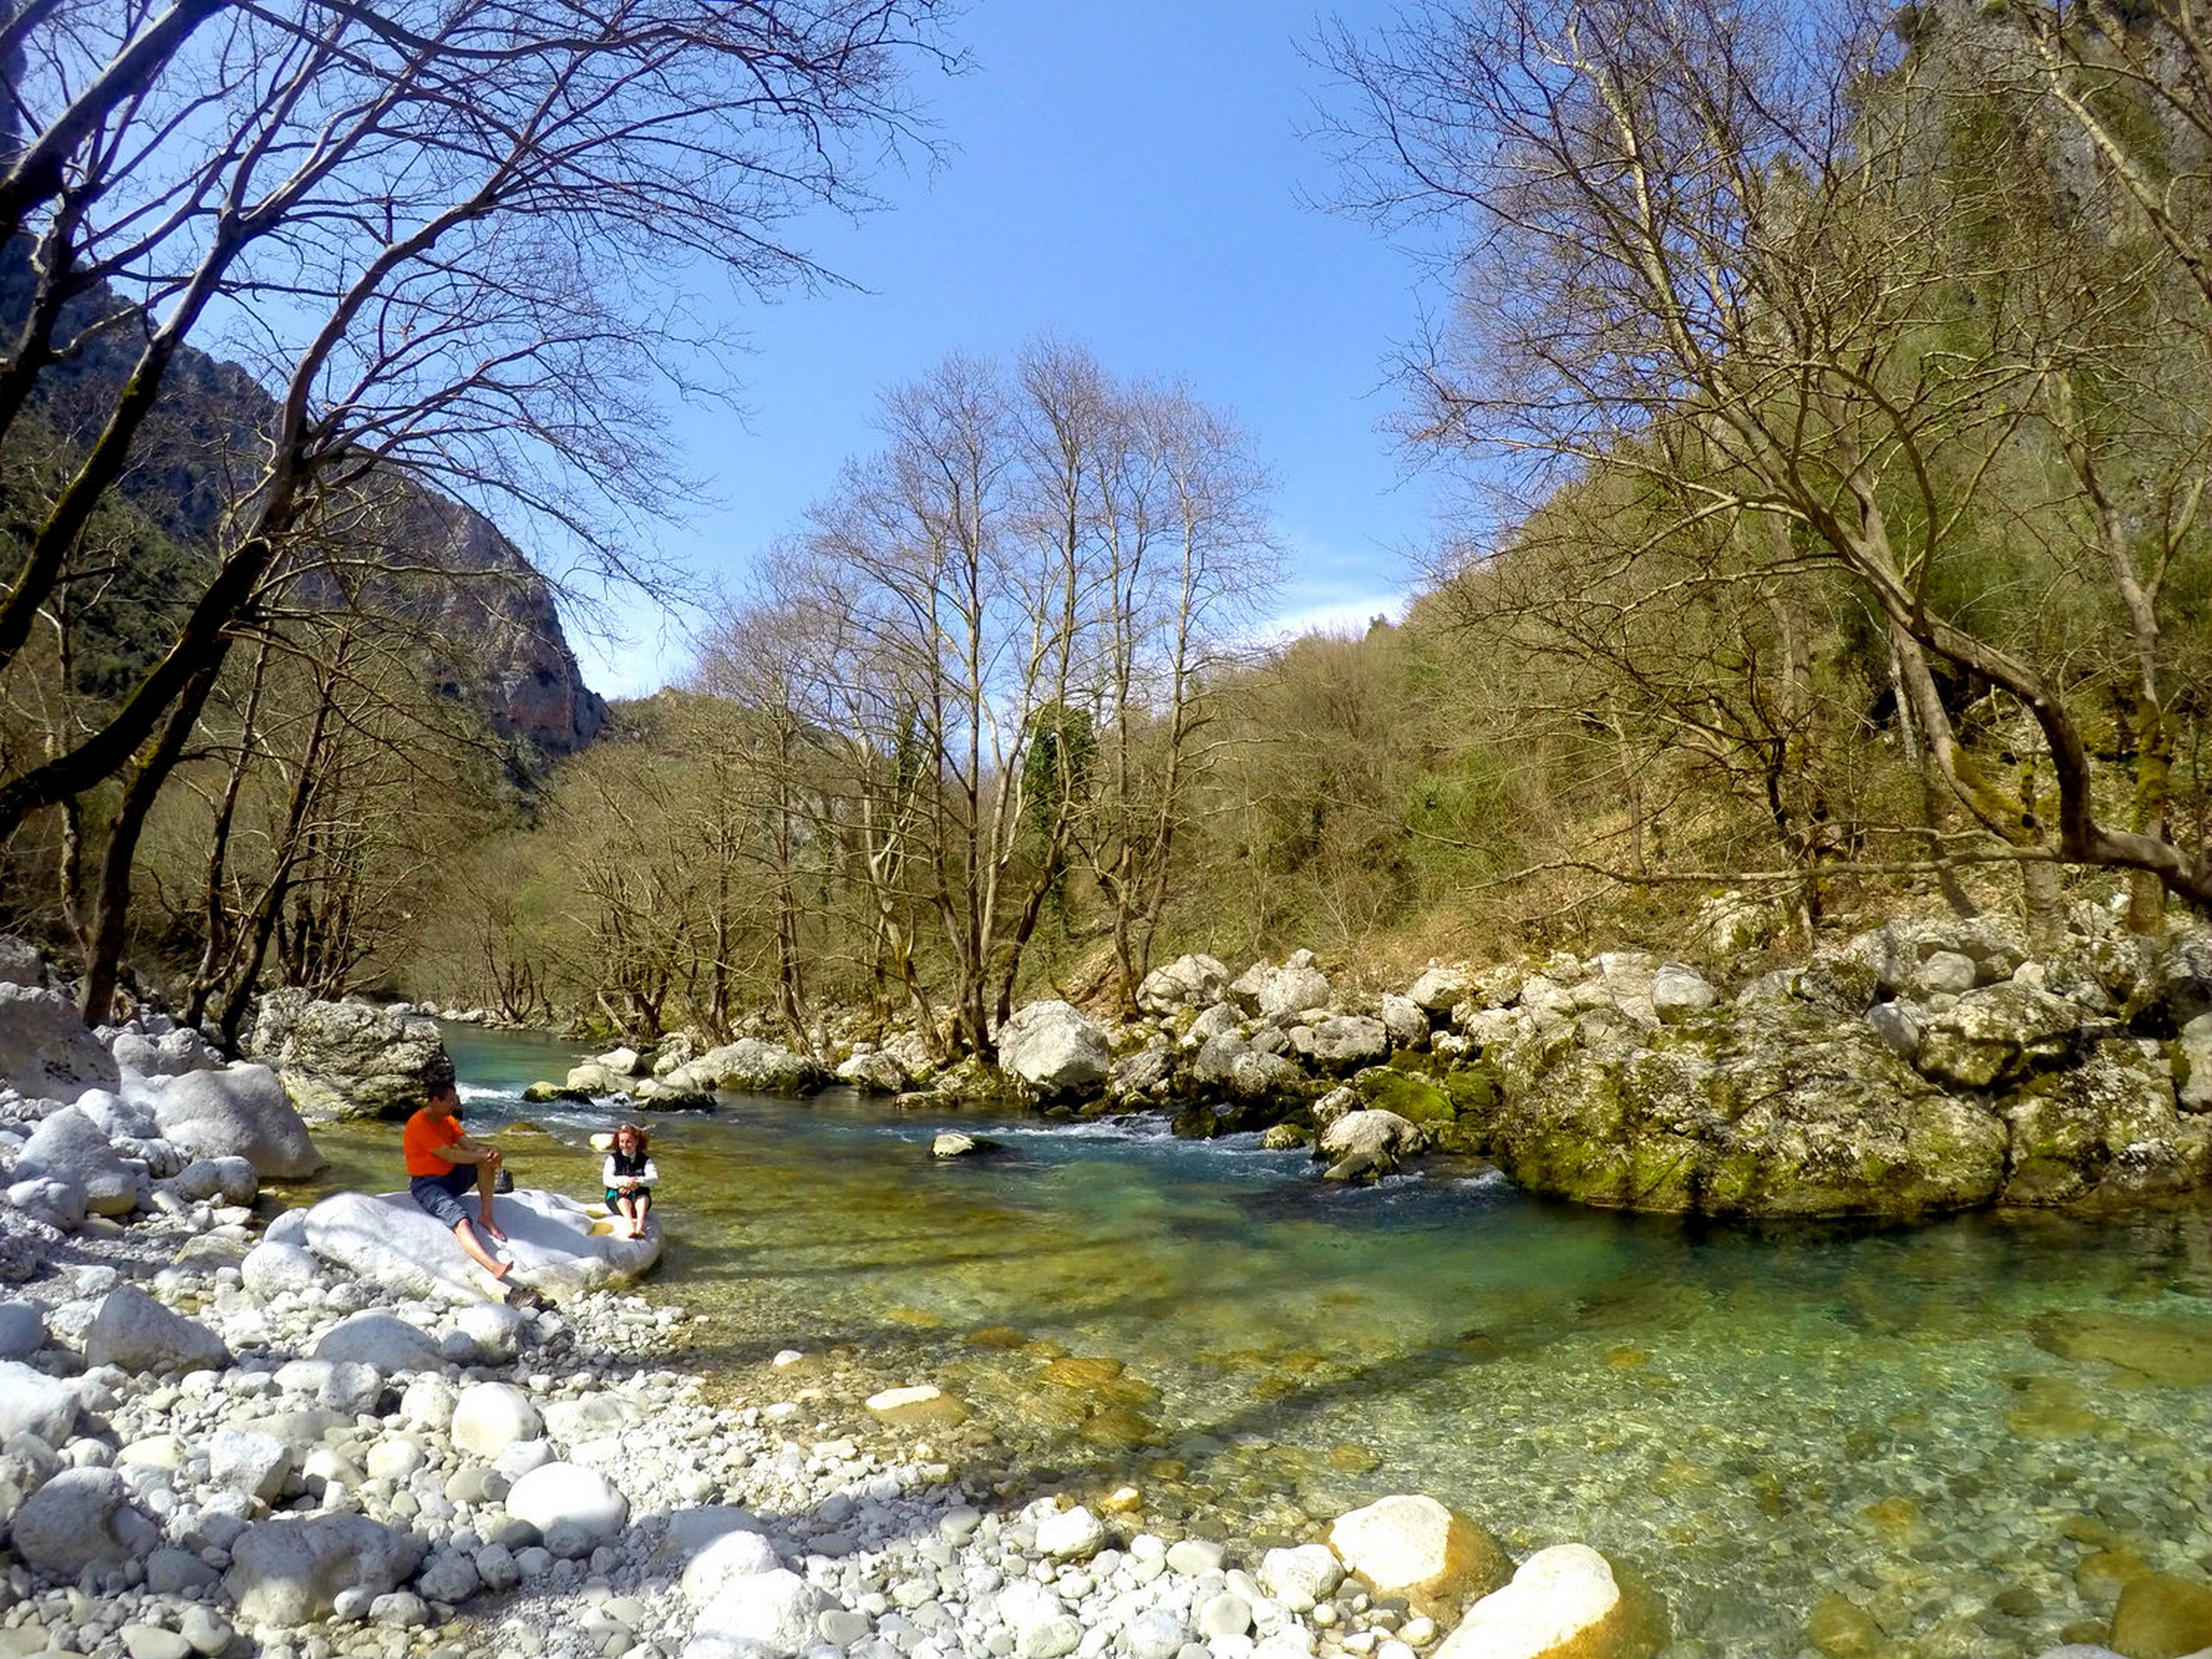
(1792, 1114)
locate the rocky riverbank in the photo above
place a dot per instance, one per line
(1925, 1066)
(306, 1433)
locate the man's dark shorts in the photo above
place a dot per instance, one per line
(441, 1194)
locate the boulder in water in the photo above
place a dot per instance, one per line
(1411, 1545)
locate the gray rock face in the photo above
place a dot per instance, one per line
(2193, 1064)
(45, 1051)
(1679, 993)
(228, 1179)
(1144, 1075)
(241, 1111)
(348, 1059)
(81, 1518)
(1273, 992)
(1219, 1020)
(876, 1073)
(2106, 1128)
(21, 964)
(1192, 981)
(136, 1333)
(1997, 1033)
(292, 1569)
(1404, 1019)
(1345, 1042)
(1257, 1077)
(68, 1147)
(22, 1331)
(1440, 990)
(1054, 1048)
(749, 1067)
(170, 1055)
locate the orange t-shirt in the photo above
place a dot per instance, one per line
(424, 1132)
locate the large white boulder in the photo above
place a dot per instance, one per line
(489, 1417)
(81, 1518)
(270, 1268)
(69, 1146)
(774, 1611)
(1562, 1603)
(290, 1570)
(1275, 992)
(738, 1553)
(877, 1072)
(567, 1494)
(390, 1241)
(383, 1340)
(45, 1051)
(1440, 990)
(134, 1333)
(348, 1059)
(240, 1111)
(1189, 982)
(1054, 1046)
(32, 1403)
(1346, 1042)
(1411, 1545)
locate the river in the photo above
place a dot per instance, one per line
(1928, 1423)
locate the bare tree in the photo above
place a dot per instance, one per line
(1736, 252)
(455, 240)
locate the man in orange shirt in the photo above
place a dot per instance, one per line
(438, 1157)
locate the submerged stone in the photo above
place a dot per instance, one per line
(2165, 1349)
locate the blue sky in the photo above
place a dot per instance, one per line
(1129, 176)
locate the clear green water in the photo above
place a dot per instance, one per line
(1754, 1419)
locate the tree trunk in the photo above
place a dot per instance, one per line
(110, 920)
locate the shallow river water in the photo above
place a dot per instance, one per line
(1971, 1431)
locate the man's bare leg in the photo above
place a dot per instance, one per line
(487, 1176)
(465, 1234)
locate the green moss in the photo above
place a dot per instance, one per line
(1415, 1099)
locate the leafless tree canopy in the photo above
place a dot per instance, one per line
(468, 243)
(1861, 299)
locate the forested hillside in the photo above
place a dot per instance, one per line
(1836, 392)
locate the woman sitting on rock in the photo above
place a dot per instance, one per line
(628, 1178)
